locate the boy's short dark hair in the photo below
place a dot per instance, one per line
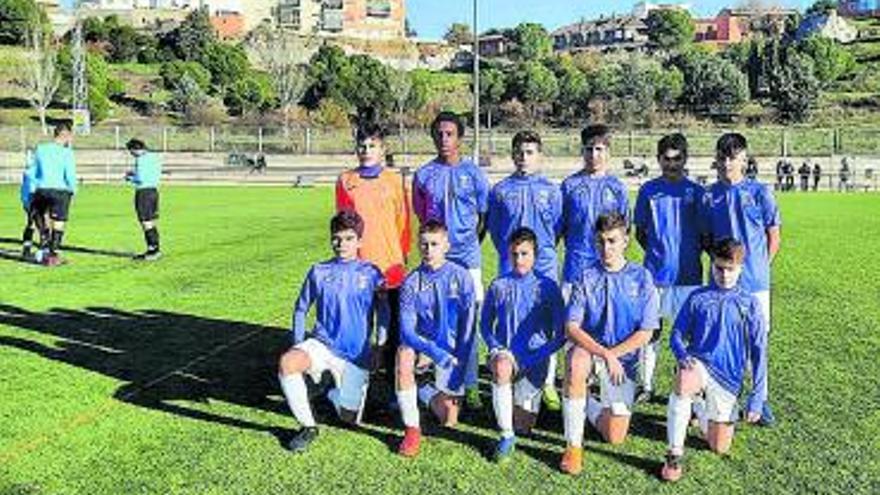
(729, 145)
(729, 249)
(676, 141)
(347, 220)
(61, 127)
(610, 221)
(447, 117)
(432, 227)
(135, 145)
(521, 235)
(523, 137)
(370, 130)
(596, 132)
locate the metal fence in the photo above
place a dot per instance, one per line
(766, 141)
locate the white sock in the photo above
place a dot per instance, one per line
(294, 388)
(550, 381)
(594, 411)
(502, 402)
(573, 420)
(427, 393)
(678, 415)
(699, 408)
(648, 358)
(409, 407)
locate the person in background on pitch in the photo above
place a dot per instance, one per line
(145, 178)
(55, 184)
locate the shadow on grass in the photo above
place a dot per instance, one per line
(169, 362)
(79, 249)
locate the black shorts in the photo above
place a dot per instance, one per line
(146, 203)
(55, 202)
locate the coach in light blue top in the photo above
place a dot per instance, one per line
(344, 295)
(437, 317)
(744, 211)
(147, 171)
(611, 306)
(55, 167)
(723, 329)
(524, 314)
(668, 212)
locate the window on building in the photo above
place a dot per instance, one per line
(288, 13)
(379, 8)
(331, 15)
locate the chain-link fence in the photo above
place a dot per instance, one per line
(767, 141)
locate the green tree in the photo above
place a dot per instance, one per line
(102, 85)
(574, 88)
(226, 63)
(125, 44)
(17, 18)
(795, 91)
(493, 86)
(534, 85)
(94, 30)
(187, 95)
(459, 34)
(831, 61)
(368, 89)
(249, 95)
(531, 42)
(670, 29)
(193, 37)
(173, 72)
(329, 72)
(821, 7)
(712, 85)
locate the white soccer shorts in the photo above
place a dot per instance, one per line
(350, 379)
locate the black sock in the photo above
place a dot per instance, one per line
(151, 236)
(27, 237)
(57, 236)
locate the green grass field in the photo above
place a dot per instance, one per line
(118, 377)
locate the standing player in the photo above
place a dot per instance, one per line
(55, 178)
(454, 191)
(378, 195)
(28, 187)
(522, 325)
(343, 291)
(668, 227)
(586, 195)
(436, 326)
(719, 329)
(746, 211)
(145, 178)
(527, 199)
(612, 314)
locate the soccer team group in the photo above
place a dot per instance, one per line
(601, 312)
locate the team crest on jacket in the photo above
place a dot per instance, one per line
(536, 341)
(633, 289)
(689, 196)
(362, 282)
(454, 289)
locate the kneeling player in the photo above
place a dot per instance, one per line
(612, 313)
(522, 325)
(436, 325)
(718, 331)
(343, 290)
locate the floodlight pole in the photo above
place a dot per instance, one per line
(476, 83)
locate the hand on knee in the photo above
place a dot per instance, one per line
(502, 369)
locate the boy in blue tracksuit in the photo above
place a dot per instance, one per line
(719, 330)
(527, 199)
(669, 227)
(612, 313)
(344, 292)
(437, 306)
(55, 185)
(745, 210)
(522, 325)
(145, 178)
